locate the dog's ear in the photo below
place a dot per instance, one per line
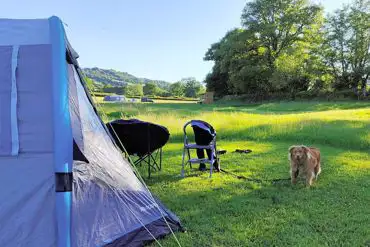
(307, 151)
(292, 148)
(290, 152)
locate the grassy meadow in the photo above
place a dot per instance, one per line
(225, 211)
(100, 99)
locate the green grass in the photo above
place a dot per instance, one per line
(224, 211)
(99, 97)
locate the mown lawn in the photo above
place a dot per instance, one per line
(225, 211)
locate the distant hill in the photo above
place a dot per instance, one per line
(118, 78)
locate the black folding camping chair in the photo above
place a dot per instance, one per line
(141, 139)
(205, 139)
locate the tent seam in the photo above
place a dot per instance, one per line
(14, 101)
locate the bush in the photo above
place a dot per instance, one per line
(303, 95)
(99, 94)
(307, 94)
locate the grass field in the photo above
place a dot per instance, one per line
(225, 211)
(100, 99)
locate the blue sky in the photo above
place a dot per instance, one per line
(156, 39)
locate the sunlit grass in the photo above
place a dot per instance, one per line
(225, 211)
(341, 128)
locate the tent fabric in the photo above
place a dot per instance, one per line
(27, 205)
(5, 98)
(14, 102)
(108, 204)
(62, 135)
(33, 99)
(24, 32)
(35, 108)
(108, 198)
(74, 107)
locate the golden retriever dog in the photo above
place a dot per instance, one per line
(305, 161)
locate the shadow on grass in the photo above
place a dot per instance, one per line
(264, 163)
(331, 213)
(246, 165)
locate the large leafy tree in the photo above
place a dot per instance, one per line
(279, 24)
(253, 59)
(347, 45)
(177, 89)
(222, 53)
(150, 89)
(133, 90)
(192, 87)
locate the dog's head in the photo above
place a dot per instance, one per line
(299, 153)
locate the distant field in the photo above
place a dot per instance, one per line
(224, 211)
(100, 99)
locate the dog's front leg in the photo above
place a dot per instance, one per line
(294, 174)
(309, 178)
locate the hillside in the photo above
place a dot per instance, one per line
(118, 78)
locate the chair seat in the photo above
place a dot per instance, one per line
(198, 161)
(195, 146)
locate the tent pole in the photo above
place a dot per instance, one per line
(63, 139)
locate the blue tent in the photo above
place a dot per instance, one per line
(63, 180)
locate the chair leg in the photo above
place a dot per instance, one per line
(160, 160)
(190, 165)
(211, 165)
(183, 164)
(149, 167)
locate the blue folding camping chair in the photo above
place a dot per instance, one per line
(205, 138)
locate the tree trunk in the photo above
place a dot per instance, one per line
(363, 87)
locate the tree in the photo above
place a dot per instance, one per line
(192, 87)
(150, 89)
(133, 90)
(278, 24)
(225, 54)
(111, 89)
(250, 60)
(217, 82)
(285, 46)
(177, 89)
(163, 93)
(347, 45)
(202, 90)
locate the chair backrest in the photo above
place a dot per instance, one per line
(138, 137)
(201, 124)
